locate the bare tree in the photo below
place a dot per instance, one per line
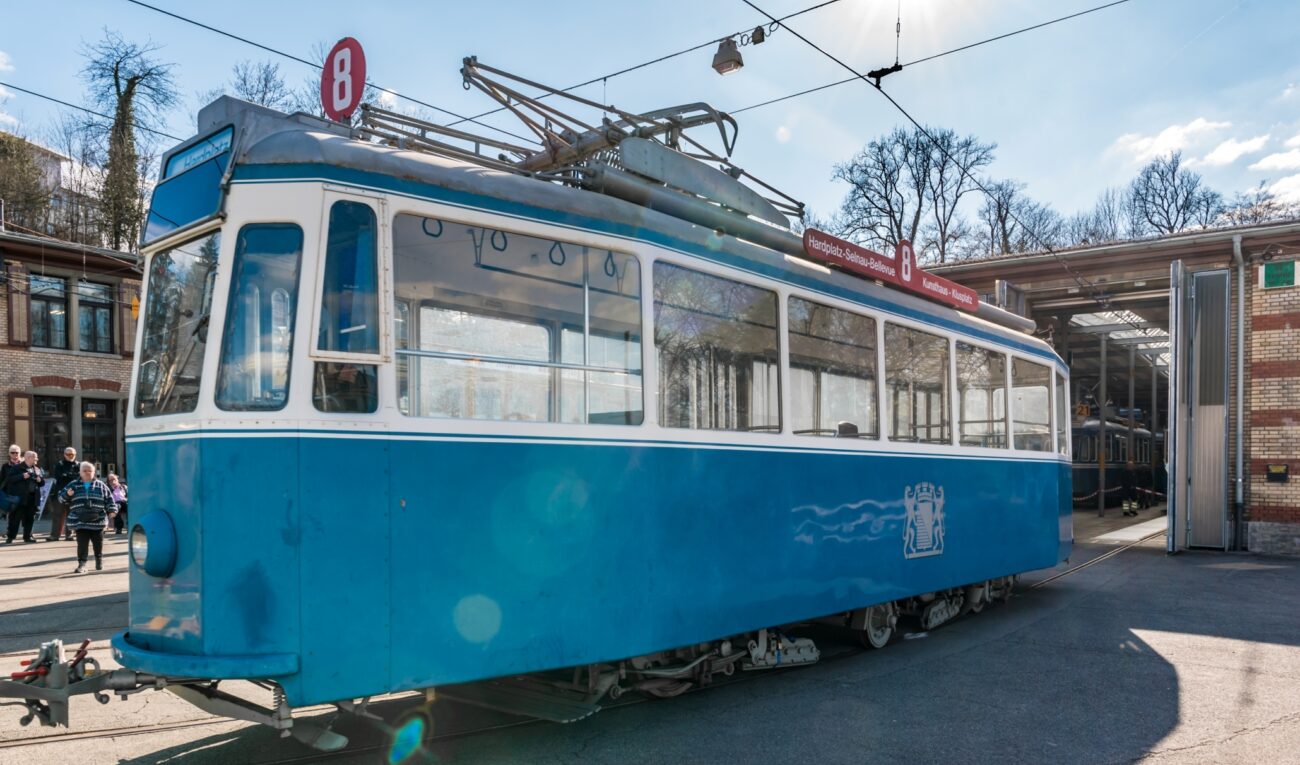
(953, 162)
(22, 185)
(888, 180)
(1107, 221)
(1166, 197)
(78, 217)
(1259, 205)
(1011, 222)
(124, 78)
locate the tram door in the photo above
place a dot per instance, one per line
(1198, 391)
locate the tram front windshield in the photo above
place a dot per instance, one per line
(177, 308)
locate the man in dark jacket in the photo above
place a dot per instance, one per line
(25, 483)
(65, 474)
(14, 461)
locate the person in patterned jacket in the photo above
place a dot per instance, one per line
(90, 506)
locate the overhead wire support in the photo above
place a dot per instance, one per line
(652, 62)
(934, 56)
(1096, 294)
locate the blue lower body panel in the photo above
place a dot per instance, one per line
(405, 564)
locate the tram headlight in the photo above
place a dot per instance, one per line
(153, 544)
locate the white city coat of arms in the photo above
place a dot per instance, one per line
(923, 535)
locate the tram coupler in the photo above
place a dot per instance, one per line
(45, 683)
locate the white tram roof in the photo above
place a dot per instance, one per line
(269, 137)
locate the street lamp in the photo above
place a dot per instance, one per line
(727, 59)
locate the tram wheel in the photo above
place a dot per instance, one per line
(880, 626)
(667, 691)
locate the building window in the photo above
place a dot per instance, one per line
(832, 371)
(495, 325)
(916, 385)
(53, 423)
(718, 360)
(981, 397)
(49, 307)
(95, 317)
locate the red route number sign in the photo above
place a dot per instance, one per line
(899, 271)
(343, 79)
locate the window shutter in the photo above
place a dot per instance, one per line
(129, 307)
(20, 316)
(20, 420)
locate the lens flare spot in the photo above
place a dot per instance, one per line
(407, 740)
(477, 618)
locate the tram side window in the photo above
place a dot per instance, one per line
(1030, 407)
(832, 371)
(717, 345)
(258, 340)
(349, 311)
(1062, 417)
(981, 397)
(501, 326)
(916, 385)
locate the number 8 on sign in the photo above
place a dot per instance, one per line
(343, 79)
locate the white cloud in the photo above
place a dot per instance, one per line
(1293, 142)
(6, 63)
(6, 119)
(783, 134)
(1286, 160)
(1232, 150)
(1288, 91)
(1142, 148)
(387, 100)
(1287, 189)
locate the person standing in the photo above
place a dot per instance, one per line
(8, 502)
(92, 505)
(118, 489)
(65, 473)
(1128, 488)
(24, 482)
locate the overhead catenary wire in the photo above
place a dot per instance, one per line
(1094, 293)
(653, 61)
(315, 65)
(101, 115)
(934, 56)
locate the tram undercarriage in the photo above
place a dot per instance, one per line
(46, 683)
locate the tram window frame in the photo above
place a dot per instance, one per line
(996, 435)
(528, 279)
(684, 400)
(241, 291)
(1061, 411)
(1026, 434)
(334, 241)
(891, 336)
(869, 428)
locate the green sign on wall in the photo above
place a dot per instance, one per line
(1278, 274)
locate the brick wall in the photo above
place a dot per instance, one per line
(1273, 422)
(73, 375)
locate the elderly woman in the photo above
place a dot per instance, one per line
(91, 505)
(118, 490)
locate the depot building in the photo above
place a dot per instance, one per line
(1193, 340)
(67, 330)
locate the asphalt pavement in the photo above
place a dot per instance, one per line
(1138, 656)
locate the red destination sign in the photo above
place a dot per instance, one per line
(343, 79)
(928, 285)
(899, 271)
(824, 248)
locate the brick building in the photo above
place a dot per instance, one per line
(1113, 302)
(67, 331)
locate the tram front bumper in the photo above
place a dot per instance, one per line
(246, 666)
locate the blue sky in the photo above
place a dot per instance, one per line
(1074, 108)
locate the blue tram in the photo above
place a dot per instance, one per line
(404, 420)
(1146, 452)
